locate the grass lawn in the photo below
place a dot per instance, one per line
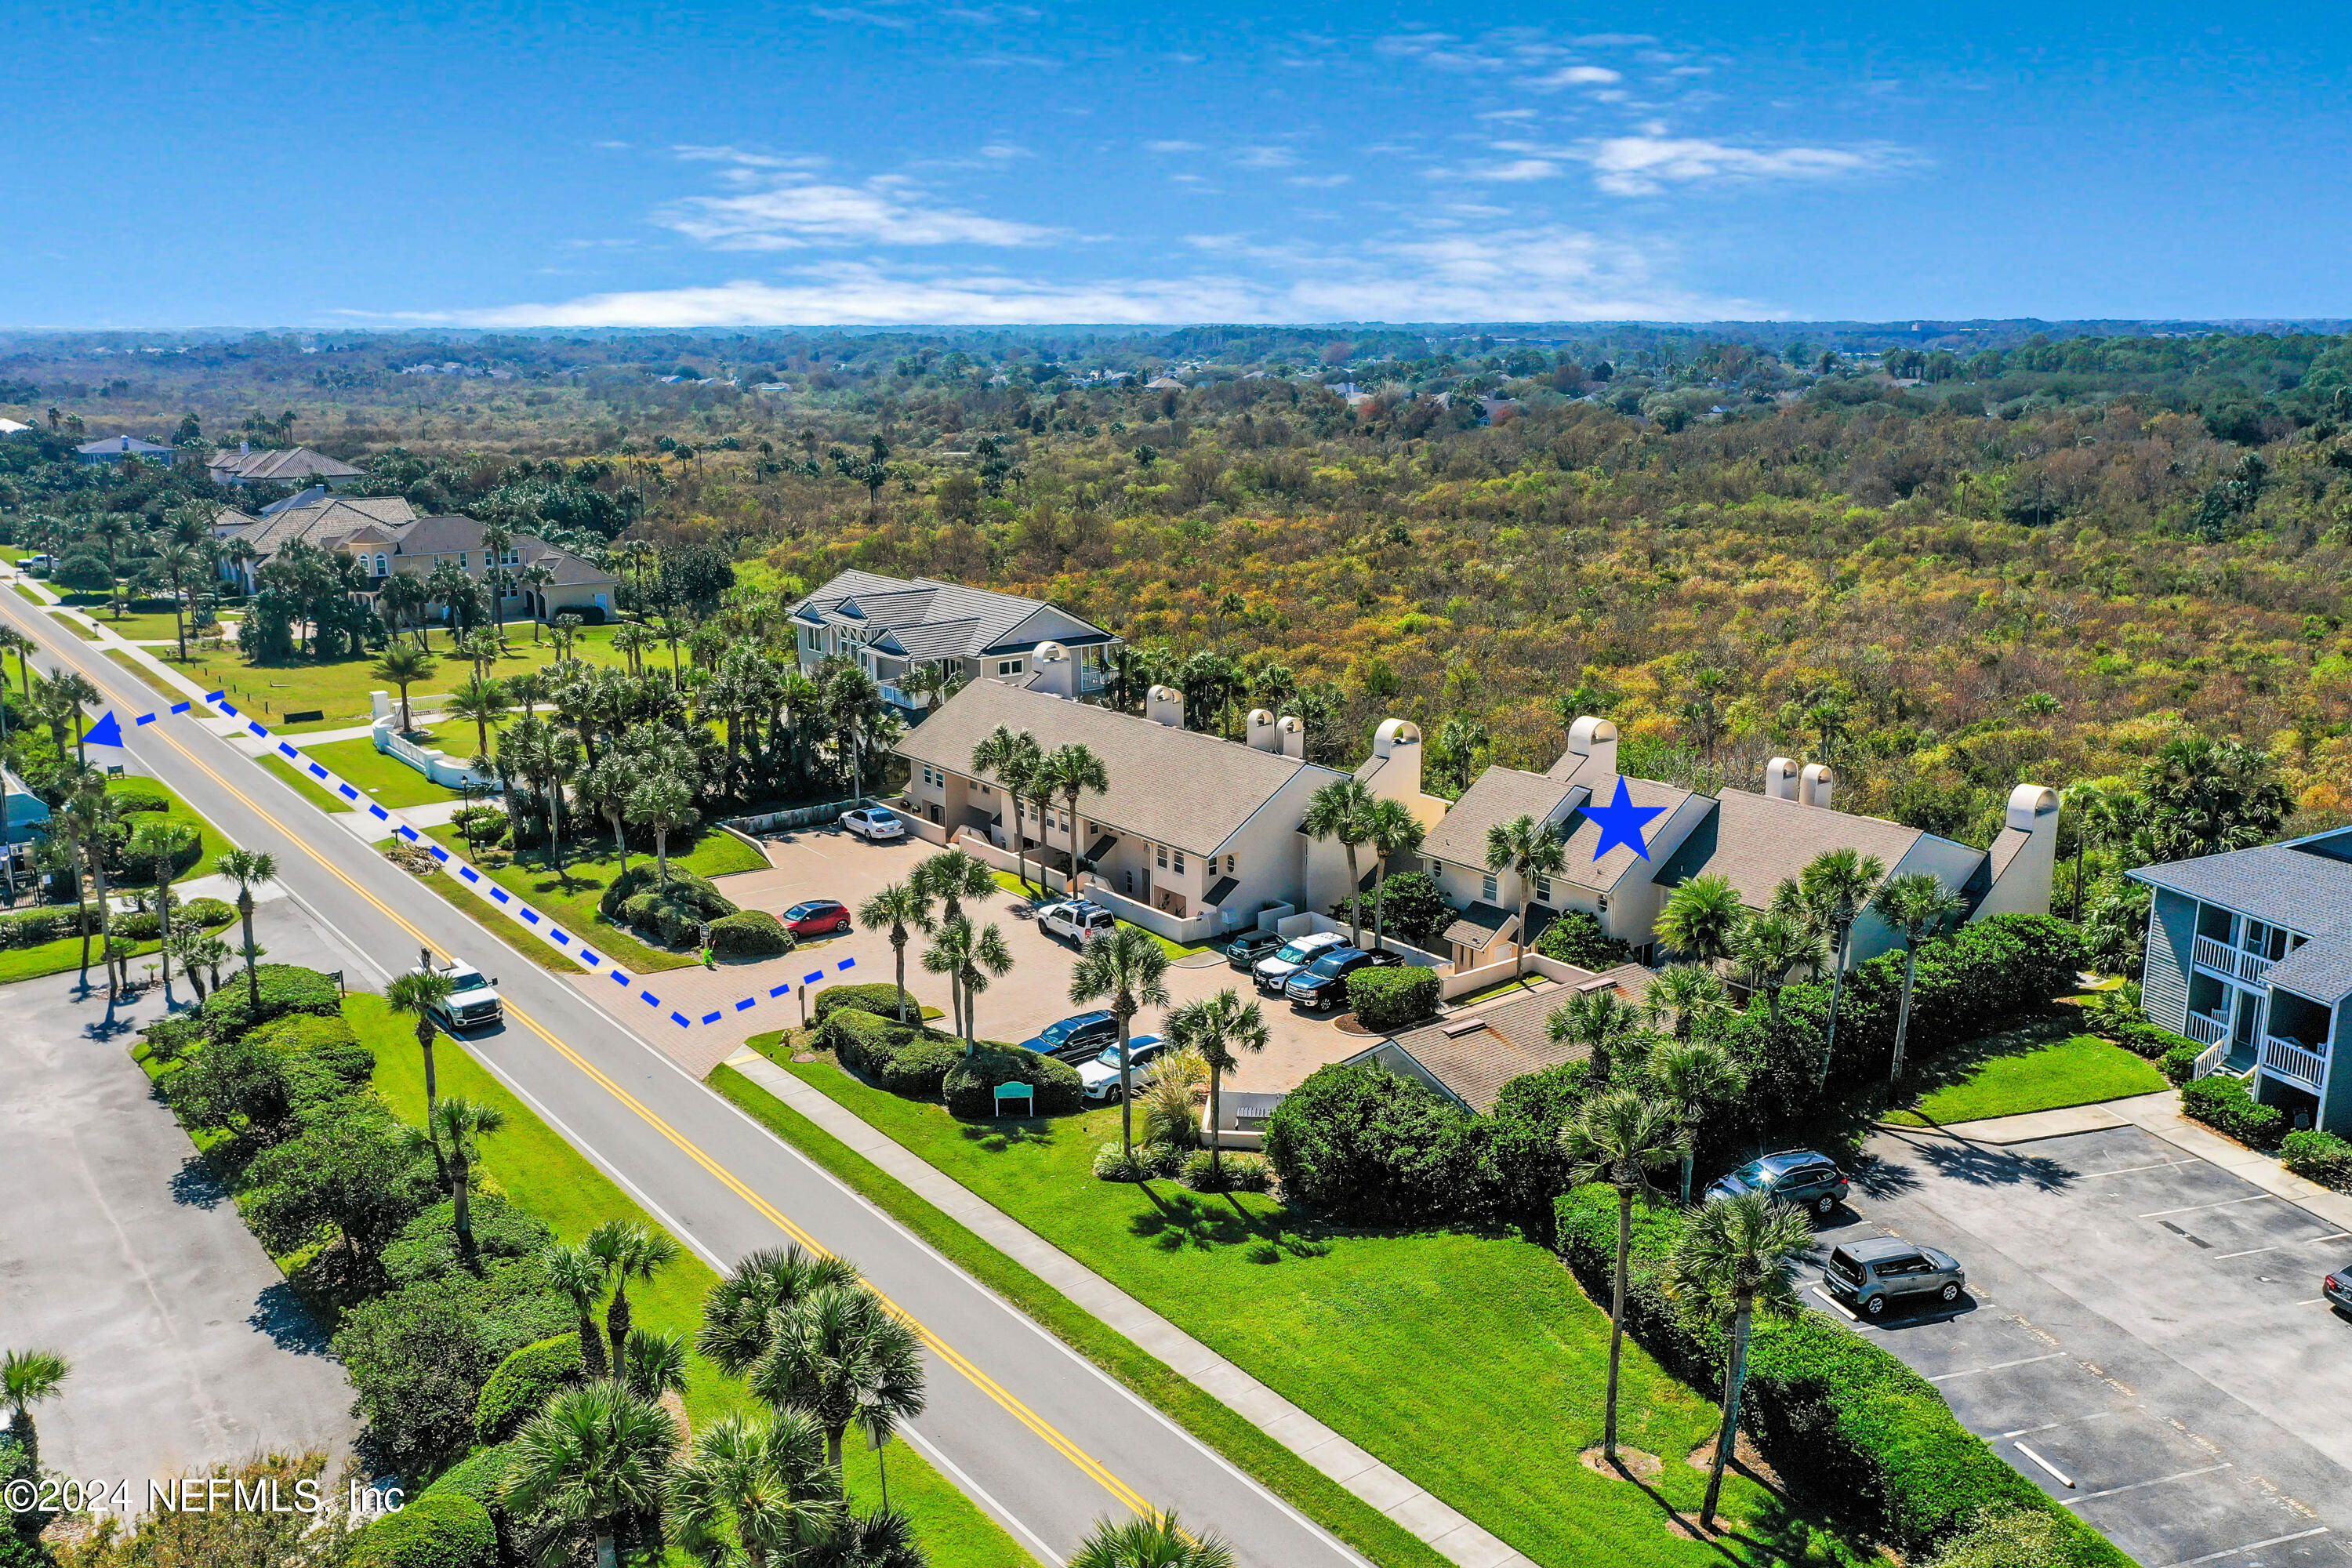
(483, 910)
(710, 854)
(1528, 983)
(143, 625)
(306, 786)
(148, 677)
(2039, 1066)
(57, 957)
(30, 593)
(76, 627)
(1032, 891)
(1472, 1363)
(387, 781)
(533, 1166)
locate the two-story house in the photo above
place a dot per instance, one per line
(894, 626)
(281, 465)
(2249, 954)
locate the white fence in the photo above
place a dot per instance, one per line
(1185, 929)
(1478, 979)
(799, 816)
(439, 766)
(1309, 924)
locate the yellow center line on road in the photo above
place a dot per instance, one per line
(996, 1391)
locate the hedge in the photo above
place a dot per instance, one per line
(636, 898)
(2179, 1063)
(2147, 1040)
(39, 926)
(523, 1383)
(882, 1001)
(1831, 1412)
(2320, 1157)
(328, 1040)
(482, 1476)
(439, 1530)
(901, 1058)
(2222, 1102)
(1387, 999)
(750, 933)
(970, 1086)
(1576, 938)
(206, 912)
(285, 988)
(426, 1247)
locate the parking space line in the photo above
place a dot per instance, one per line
(2157, 1165)
(2054, 1425)
(1835, 1305)
(2063, 1479)
(2250, 1546)
(2160, 1480)
(2225, 1202)
(2331, 1236)
(2250, 1252)
(1997, 1366)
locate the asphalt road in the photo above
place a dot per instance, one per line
(1031, 1430)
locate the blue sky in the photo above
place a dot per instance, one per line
(873, 161)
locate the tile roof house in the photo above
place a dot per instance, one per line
(1193, 827)
(297, 465)
(893, 626)
(1468, 1056)
(1753, 840)
(2249, 954)
(114, 448)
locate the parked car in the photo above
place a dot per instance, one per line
(473, 1003)
(816, 917)
(1871, 1274)
(1273, 973)
(2337, 1288)
(1243, 951)
(1077, 920)
(1074, 1039)
(1797, 1176)
(1323, 984)
(1099, 1078)
(873, 824)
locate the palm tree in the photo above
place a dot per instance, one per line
(1681, 996)
(844, 1357)
(1129, 968)
(1598, 1020)
(457, 1127)
(759, 1484)
(593, 1458)
(155, 844)
(968, 956)
(1768, 947)
(1342, 809)
(580, 1275)
(248, 869)
(739, 1316)
(1214, 1026)
(415, 996)
(604, 788)
(1915, 905)
(26, 1378)
(1394, 830)
(2085, 803)
(1701, 918)
(1013, 756)
(15, 642)
(174, 563)
(1837, 884)
(1691, 1077)
(904, 907)
(1733, 1260)
(1527, 849)
(630, 1250)
(951, 876)
(1621, 1136)
(664, 803)
(533, 579)
(1154, 1541)
(91, 821)
(1070, 772)
(403, 668)
(481, 702)
(653, 1364)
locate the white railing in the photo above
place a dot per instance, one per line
(1093, 677)
(2297, 1063)
(2205, 1030)
(800, 817)
(2210, 1060)
(2228, 959)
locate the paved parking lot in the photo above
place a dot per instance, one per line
(825, 863)
(2144, 1337)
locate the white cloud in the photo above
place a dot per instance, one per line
(1646, 165)
(1517, 169)
(1576, 76)
(1004, 151)
(793, 211)
(744, 158)
(861, 18)
(1265, 157)
(1319, 182)
(1174, 147)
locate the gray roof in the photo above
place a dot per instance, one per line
(1477, 926)
(1501, 794)
(117, 446)
(321, 522)
(333, 520)
(279, 463)
(2320, 969)
(1167, 785)
(924, 618)
(1510, 1041)
(2300, 885)
(1758, 842)
(1498, 795)
(1584, 870)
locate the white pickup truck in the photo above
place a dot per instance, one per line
(473, 1002)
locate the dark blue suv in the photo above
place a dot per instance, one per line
(1078, 1040)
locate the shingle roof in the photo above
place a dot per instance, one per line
(2320, 969)
(1475, 1063)
(1604, 873)
(1758, 842)
(1499, 795)
(1170, 786)
(926, 618)
(280, 463)
(2304, 888)
(117, 446)
(1477, 926)
(324, 520)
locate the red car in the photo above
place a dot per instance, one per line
(818, 917)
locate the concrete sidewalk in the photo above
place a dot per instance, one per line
(1414, 1508)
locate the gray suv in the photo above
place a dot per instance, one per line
(1795, 1176)
(1869, 1275)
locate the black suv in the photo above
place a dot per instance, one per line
(1323, 984)
(1243, 951)
(1796, 1176)
(1078, 1040)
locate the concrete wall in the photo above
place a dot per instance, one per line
(1190, 930)
(1469, 980)
(439, 766)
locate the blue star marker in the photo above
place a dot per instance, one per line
(1622, 823)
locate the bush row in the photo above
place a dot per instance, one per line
(750, 933)
(1385, 1000)
(2143, 1038)
(673, 912)
(900, 1057)
(970, 1086)
(2320, 1157)
(881, 1000)
(1831, 1411)
(2222, 1103)
(35, 927)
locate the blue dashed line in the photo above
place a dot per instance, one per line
(778, 990)
(651, 1000)
(706, 1017)
(847, 964)
(469, 873)
(747, 1001)
(812, 978)
(286, 751)
(557, 932)
(619, 977)
(681, 1020)
(181, 707)
(588, 957)
(379, 814)
(317, 771)
(146, 718)
(501, 894)
(349, 792)
(439, 854)
(528, 913)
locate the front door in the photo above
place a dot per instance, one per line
(2246, 1028)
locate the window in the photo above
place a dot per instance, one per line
(1163, 856)
(1009, 666)
(1543, 887)
(379, 565)
(1487, 889)
(1179, 861)
(1229, 865)
(512, 557)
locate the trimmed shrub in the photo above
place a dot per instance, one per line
(482, 1475)
(419, 1355)
(426, 1247)
(40, 926)
(2180, 1062)
(750, 933)
(684, 889)
(882, 1001)
(2222, 1103)
(138, 794)
(969, 1086)
(1364, 1143)
(2146, 1040)
(906, 1061)
(2320, 1157)
(1389, 999)
(439, 1530)
(329, 1041)
(1576, 938)
(285, 988)
(523, 1382)
(1241, 1172)
(1149, 1162)
(204, 912)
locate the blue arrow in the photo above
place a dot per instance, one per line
(107, 731)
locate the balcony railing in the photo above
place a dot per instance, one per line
(2224, 959)
(2205, 1030)
(1093, 677)
(2295, 1063)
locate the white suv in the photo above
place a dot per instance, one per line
(873, 824)
(1079, 921)
(1273, 973)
